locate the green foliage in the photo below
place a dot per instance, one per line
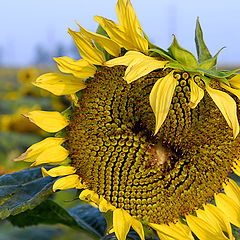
(84, 218)
(182, 55)
(23, 190)
(202, 50)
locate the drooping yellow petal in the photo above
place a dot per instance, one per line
(138, 227)
(138, 64)
(87, 48)
(172, 231)
(196, 94)
(122, 222)
(236, 168)
(33, 152)
(118, 35)
(58, 171)
(230, 208)
(130, 25)
(108, 44)
(232, 190)
(51, 155)
(215, 213)
(142, 67)
(90, 196)
(105, 206)
(67, 182)
(81, 68)
(227, 106)
(48, 121)
(232, 90)
(235, 81)
(203, 230)
(59, 84)
(161, 98)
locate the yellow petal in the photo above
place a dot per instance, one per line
(105, 206)
(138, 64)
(81, 68)
(212, 220)
(122, 222)
(138, 227)
(230, 208)
(202, 229)
(130, 25)
(58, 171)
(87, 49)
(215, 213)
(59, 84)
(235, 81)
(51, 155)
(172, 231)
(232, 90)
(118, 34)
(108, 44)
(232, 190)
(67, 182)
(236, 168)
(161, 98)
(90, 196)
(48, 121)
(227, 106)
(196, 94)
(142, 67)
(33, 152)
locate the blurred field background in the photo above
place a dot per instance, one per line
(29, 40)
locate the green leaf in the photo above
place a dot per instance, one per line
(102, 32)
(84, 218)
(23, 190)
(160, 52)
(182, 55)
(210, 63)
(202, 50)
(89, 218)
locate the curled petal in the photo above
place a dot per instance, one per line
(67, 182)
(196, 94)
(227, 106)
(48, 121)
(58, 171)
(138, 64)
(161, 98)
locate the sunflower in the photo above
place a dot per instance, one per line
(151, 135)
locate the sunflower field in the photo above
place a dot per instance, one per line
(130, 141)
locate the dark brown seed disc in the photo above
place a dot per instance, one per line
(155, 178)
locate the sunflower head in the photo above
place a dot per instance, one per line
(151, 134)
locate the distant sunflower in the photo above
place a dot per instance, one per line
(28, 75)
(149, 134)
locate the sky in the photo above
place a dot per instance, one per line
(26, 24)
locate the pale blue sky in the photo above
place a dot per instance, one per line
(26, 23)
